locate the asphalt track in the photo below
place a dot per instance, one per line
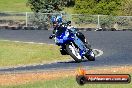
(117, 48)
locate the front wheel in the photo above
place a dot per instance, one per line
(73, 52)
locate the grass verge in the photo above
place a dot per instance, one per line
(12, 54)
(66, 79)
(14, 5)
(68, 82)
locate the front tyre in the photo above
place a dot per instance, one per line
(73, 52)
(63, 52)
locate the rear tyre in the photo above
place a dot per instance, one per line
(73, 52)
(90, 57)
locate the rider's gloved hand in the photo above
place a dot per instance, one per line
(51, 36)
(69, 22)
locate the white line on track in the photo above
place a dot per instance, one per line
(25, 42)
(100, 52)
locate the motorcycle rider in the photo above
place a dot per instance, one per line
(57, 21)
(58, 24)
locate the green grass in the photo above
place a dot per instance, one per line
(68, 82)
(20, 6)
(12, 54)
(69, 10)
(14, 5)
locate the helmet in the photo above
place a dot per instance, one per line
(56, 20)
(59, 19)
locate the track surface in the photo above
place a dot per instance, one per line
(117, 48)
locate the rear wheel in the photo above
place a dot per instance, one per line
(90, 56)
(73, 52)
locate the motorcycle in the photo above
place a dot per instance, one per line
(72, 44)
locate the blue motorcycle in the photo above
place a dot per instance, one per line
(72, 44)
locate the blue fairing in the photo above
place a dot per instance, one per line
(64, 35)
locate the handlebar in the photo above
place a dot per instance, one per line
(66, 24)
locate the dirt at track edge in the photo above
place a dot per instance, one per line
(23, 78)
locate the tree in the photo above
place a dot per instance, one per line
(84, 6)
(106, 8)
(49, 6)
(39, 7)
(126, 7)
(94, 7)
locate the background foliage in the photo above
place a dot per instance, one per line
(92, 7)
(49, 6)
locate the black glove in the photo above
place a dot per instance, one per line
(51, 36)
